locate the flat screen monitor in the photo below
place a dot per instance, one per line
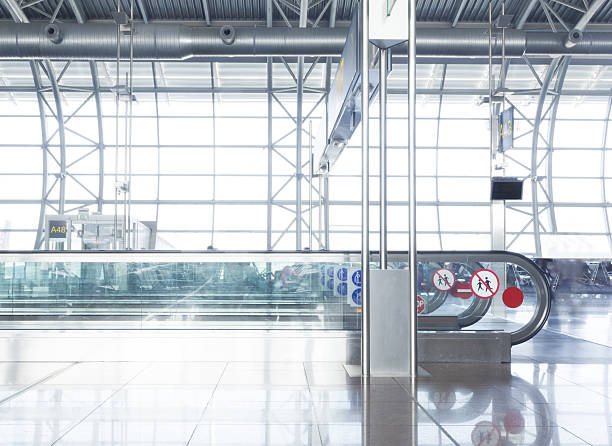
(505, 188)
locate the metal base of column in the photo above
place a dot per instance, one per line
(354, 371)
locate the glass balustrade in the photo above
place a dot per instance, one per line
(258, 290)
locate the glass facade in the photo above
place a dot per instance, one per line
(205, 168)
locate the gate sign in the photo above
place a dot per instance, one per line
(484, 283)
(443, 279)
(57, 229)
(420, 304)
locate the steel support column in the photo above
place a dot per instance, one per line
(20, 17)
(44, 147)
(382, 121)
(412, 181)
(535, 208)
(604, 150)
(551, 140)
(93, 69)
(299, 130)
(365, 191)
(269, 86)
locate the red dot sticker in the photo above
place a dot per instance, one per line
(514, 423)
(513, 297)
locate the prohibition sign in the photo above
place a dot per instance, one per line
(420, 304)
(484, 283)
(443, 279)
(486, 433)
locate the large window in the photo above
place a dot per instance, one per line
(202, 168)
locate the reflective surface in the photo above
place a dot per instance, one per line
(291, 388)
(154, 290)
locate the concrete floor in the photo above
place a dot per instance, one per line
(290, 388)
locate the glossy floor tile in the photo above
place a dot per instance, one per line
(266, 389)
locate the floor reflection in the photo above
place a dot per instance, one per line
(297, 403)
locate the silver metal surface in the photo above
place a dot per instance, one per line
(382, 99)
(365, 191)
(389, 311)
(412, 183)
(299, 134)
(464, 347)
(471, 315)
(167, 41)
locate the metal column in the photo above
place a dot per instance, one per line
(412, 184)
(382, 98)
(299, 130)
(365, 194)
(269, 122)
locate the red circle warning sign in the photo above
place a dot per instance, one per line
(462, 290)
(443, 279)
(486, 433)
(420, 304)
(513, 297)
(484, 283)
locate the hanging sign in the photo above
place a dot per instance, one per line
(57, 229)
(506, 129)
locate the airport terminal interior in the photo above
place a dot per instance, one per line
(306, 222)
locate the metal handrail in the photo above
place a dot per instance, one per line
(533, 326)
(544, 294)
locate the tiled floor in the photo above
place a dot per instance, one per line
(557, 391)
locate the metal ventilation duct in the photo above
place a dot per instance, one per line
(180, 42)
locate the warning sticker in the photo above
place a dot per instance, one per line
(486, 433)
(484, 283)
(443, 279)
(420, 304)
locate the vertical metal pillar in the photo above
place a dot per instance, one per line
(157, 132)
(269, 90)
(332, 23)
(382, 98)
(62, 134)
(298, 158)
(93, 68)
(310, 173)
(412, 204)
(320, 215)
(365, 193)
(326, 209)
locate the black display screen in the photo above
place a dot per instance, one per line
(506, 189)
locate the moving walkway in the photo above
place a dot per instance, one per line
(255, 290)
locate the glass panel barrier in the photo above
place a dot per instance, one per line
(197, 290)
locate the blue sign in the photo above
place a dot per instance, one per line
(323, 281)
(357, 278)
(342, 288)
(330, 271)
(330, 284)
(342, 274)
(357, 296)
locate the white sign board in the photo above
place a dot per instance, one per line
(388, 22)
